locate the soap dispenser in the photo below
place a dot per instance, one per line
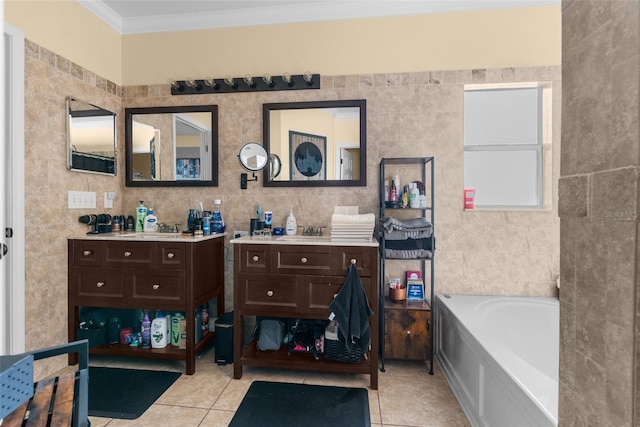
(150, 222)
(292, 224)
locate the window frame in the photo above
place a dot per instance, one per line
(543, 139)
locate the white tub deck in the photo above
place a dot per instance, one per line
(500, 356)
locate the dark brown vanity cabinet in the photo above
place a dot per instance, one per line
(298, 281)
(178, 275)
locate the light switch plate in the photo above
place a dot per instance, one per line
(82, 199)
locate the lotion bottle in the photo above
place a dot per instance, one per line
(292, 224)
(414, 196)
(150, 222)
(141, 213)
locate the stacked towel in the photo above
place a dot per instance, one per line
(352, 227)
(408, 238)
(420, 224)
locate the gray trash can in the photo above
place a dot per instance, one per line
(224, 339)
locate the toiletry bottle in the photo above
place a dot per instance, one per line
(292, 224)
(145, 330)
(405, 197)
(268, 215)
(414, 196)
(396, 178)
(150, 222)
(141, 213)
(191, 219)
(422, 199)
(206, 224)
(217, 222)
(204, 316)
(386, 190)
(131, 226)
(393, 192)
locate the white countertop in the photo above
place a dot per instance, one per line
(297, 239)
(148, 237)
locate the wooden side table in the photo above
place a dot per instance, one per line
(407, 329)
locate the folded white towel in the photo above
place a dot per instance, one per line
(353, 218)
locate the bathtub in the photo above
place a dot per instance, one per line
(500, 357)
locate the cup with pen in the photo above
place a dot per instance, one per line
(397, 291)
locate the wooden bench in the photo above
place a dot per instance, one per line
(57, 401)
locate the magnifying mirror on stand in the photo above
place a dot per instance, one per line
(253, 157)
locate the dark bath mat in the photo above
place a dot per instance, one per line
(279, 404)
(125, 393)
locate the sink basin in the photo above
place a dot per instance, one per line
(299, 238)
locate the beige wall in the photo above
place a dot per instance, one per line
(599, 304)
(71, 31)
(519, 37)
(465, 40)
(49, 80)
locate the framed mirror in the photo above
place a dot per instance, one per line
(91, 138)
(319, 143)
(171, 146)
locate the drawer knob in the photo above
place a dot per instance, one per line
(127, 254)
(170, 255)
(335, 295)
(408, 332)
(155, 286)
(353, 260)
(304, 260)
(86, 253)
(100, 284)
(270, 293)
(256, 258)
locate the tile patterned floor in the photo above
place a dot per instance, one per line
(407, 395)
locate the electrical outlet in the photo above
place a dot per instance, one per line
(108, 199)
(237, 234)
(82, 199)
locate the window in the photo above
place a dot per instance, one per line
(505, 130)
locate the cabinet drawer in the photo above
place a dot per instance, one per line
(130, 254)
(172, 256)
(254, 258)
(406, 334)
(97, 282)
(268, 292)
(321, 290)
(157, 288)
(86, 253)
(302, 259)
(361, 256)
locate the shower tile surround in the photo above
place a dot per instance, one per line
(598, 209)
(408, 114)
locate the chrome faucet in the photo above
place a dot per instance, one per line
(307, 231)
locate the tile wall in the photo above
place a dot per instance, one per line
(412, 114)
(598, 208)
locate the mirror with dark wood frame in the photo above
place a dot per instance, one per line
(91, 138)
(171, 146)
(319, 143)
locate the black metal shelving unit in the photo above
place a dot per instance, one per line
(427, 173)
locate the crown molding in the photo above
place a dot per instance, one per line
(288, 13)
(105, 13)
